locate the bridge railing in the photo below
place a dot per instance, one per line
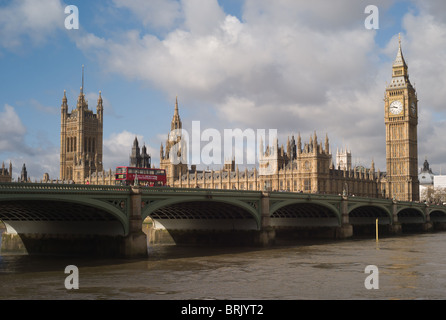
(303, 195)
(151, 190)
(14, 187)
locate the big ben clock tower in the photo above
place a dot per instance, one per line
(401, 119)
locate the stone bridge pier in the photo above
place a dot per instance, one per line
(134, 244)
(267, 234)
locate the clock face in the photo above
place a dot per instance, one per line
(413, 108)
(396, 107)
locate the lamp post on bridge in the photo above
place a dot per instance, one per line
(345, 191)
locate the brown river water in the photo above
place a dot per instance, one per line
(409, 267)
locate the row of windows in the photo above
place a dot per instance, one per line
(323, 186)
(249, 186)
(145, 171)
(398, 169)
(398, 150)
(89, 144)
(396, 93)
(71, 144)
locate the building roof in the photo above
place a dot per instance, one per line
(426, 176)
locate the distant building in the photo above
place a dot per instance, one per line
(6, 174)
(139, 158)
(426, 176)
(343, 159)
(426, 179)
(23, 174)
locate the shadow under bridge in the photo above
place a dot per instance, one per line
(304, 213)
(61, 217)
(202, 213)
(46, 223)
(367, 214)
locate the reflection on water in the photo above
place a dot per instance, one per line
(410, 267)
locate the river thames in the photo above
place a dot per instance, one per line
(409, 267)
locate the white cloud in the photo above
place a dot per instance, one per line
(202, 17)
(29, 21)
(424, 48)
(270, 71)
(331, 16)
(12, 130)
(14, 147)
(118, 147)
(425, 53)
(297, 66)
(162, 14)
(49, 158)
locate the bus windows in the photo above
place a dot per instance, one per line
(146, 176)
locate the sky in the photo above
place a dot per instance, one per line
(293, 65)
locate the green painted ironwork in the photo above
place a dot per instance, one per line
(115, 200)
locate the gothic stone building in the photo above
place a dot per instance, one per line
(80, 139)
(308, 167)
(300, 167)
(174, 170)
(6, 174)
(139, 157)
(401, 119)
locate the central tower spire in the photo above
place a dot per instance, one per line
(399, 65)
(82, 88)
(176, 120)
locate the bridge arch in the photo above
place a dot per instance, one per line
(365, 214)
(303, 212)
(411, 215)
(200, 213)
(437, 215)
(51, 214)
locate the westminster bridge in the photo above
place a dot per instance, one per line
(107, 220)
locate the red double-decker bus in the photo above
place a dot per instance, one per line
(125, 176)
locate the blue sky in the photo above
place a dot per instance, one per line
(294, 66)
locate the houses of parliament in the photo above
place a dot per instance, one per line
(299, 166)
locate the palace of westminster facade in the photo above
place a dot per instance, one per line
(297, 167)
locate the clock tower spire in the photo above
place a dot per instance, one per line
(401, 119)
